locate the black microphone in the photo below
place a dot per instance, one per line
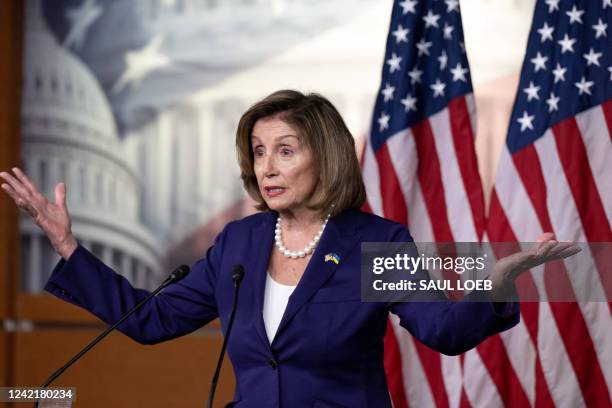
(237, 275)
(176, 275)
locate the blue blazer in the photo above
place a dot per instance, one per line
(328, 350)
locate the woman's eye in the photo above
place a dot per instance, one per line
(286, 152)
(258, 152)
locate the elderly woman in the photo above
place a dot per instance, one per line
(302, 337)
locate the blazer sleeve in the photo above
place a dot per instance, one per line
(453, 327)
(84, 280)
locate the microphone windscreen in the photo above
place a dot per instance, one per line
(179, 273)
(237, 273)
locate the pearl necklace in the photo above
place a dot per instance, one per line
(297, 254)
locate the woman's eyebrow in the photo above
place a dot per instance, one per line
(276, 139)
(287, 136)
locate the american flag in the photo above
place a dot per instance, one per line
(554, 176)
(420, 169)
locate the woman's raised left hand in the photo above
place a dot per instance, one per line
(507, 269)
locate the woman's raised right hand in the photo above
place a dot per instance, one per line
(52, 218)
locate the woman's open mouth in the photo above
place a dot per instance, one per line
(274, 191)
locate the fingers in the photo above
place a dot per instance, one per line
(544, 248)
(60, 195)
(13, 194)
(563, 250)
(554, 250)
(569, 252)
(20, 201)
(547, 236)
(25, 180)
(560, 246)
(17, 186)
(26, 195)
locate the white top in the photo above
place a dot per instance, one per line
(276, 297)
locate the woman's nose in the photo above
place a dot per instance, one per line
(269, 166)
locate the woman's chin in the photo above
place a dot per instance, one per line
(275, 205)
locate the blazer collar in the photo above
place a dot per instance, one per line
(338, 237)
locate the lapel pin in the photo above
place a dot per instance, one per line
(333, 258)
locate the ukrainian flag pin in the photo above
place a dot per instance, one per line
(332, 257)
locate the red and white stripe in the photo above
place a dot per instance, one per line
(560, 353)
(558, 184)
(407, 180)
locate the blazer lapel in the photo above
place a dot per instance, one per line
(338, 238)
(263, 238)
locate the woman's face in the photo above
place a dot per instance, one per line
(284, 165)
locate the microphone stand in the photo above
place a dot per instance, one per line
(175, 276)
(237, 275)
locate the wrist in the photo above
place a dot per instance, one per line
(67, 246)
(502, 282)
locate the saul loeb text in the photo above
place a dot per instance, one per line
(427, 284)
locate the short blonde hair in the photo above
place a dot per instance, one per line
(323, 130)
